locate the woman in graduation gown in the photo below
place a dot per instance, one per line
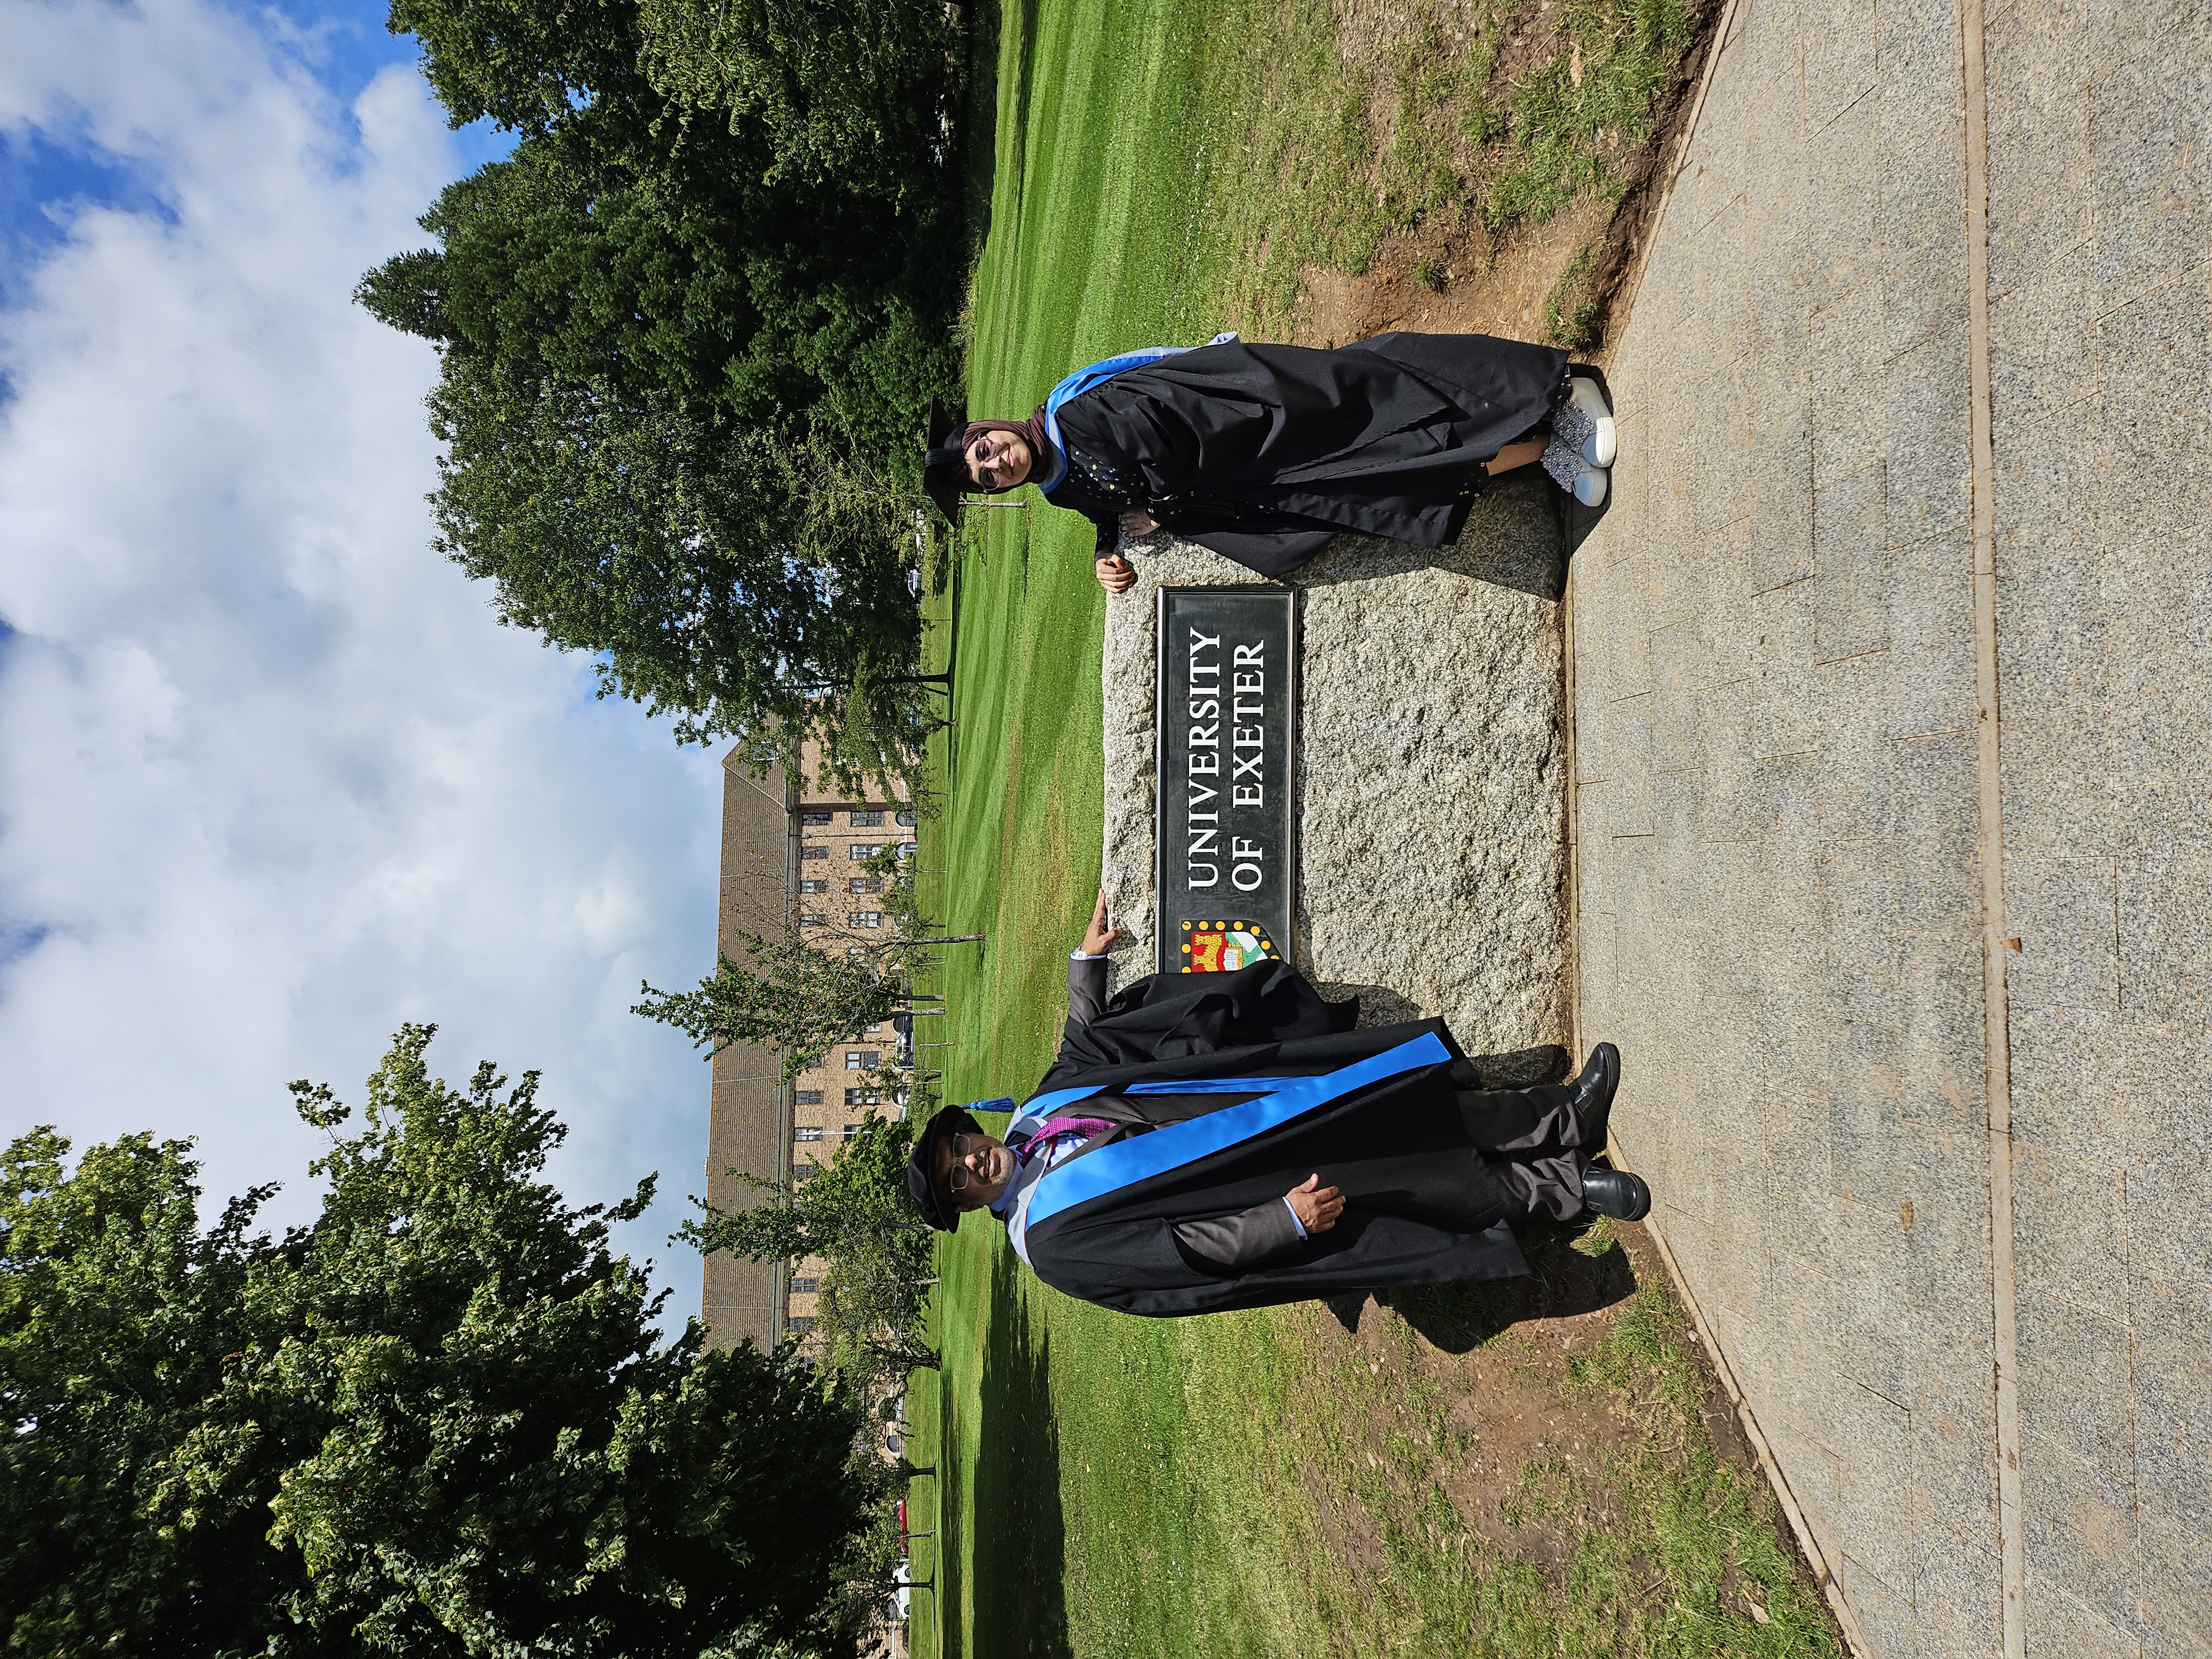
(1212, 1142)
(1262, 452)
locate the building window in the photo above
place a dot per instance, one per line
(812, 919)
(859, 1059)
(816, 820)
(864, 884)
(852, 1129)
(906, 815)
(871, 820)
(803, 1172)
(798, 1324)
(906, 849)
(805, 1286)
(810, 1130)
(813, 886)
(861, 1097)
(813, 851)
(860, 852)
(814, 1064)
(864, 919)
(808, 1097)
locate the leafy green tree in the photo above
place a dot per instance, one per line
(807, 987)
(438, 1420)
(793, 995)
(839, 89)
(684, 360)
(854, 1213)
(855, 1203)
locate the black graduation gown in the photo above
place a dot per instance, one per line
(1421, 1205)
(1263, 453)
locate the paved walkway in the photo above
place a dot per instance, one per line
(1914, 999)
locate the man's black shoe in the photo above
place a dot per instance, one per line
(1590, 1090)
(1616, 1193)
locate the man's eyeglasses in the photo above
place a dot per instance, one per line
(961, 1176)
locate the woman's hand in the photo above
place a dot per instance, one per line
(1100, 938)
(1115, 573)
(1316, 1206)
(1136, 523)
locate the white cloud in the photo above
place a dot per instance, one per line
(272, 779)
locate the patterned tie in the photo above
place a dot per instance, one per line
(1053, 1129)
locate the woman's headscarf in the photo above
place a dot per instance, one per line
(945, 460)
(1031, 432)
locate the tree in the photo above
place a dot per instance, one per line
(839, 89)
(854, 1213)
(856, 1203)
(437, 1420)
(794, 996)
(684, 358)
(810, 985)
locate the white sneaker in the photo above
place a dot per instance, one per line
(1598, 446)
(1589, 484)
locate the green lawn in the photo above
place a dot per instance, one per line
(1254, 1483)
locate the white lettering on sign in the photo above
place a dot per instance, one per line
(1202, 830)
(1247, 712)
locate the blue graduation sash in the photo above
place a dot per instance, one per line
(1175, 1144)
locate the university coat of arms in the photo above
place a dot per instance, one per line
(1222, 947)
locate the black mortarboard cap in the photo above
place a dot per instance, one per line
(943, 461)
(936, 1207)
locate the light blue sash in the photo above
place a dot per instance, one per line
(1175, 1144)
(1082, 380)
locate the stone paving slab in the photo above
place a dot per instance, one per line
(1781, 820)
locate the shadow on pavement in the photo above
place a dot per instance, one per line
(1020, 1533)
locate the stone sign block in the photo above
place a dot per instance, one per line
(1228, 707)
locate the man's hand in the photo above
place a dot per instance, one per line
(1115, 573)
(1100, 938)
(1137, 523)
(1316, 1206)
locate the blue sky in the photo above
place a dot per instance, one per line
(272, 780)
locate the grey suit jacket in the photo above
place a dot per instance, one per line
(1230, 1245)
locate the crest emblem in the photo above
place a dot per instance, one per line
(1222, 947)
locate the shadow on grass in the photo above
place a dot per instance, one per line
(1562, 1282)
(1019, 1549)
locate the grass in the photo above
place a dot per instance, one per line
(1257, 1483)
(1569, 310)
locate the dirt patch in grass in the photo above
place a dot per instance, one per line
(1554, 1430)
(1517, 151)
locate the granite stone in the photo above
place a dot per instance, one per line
(1432, 790)
(2078, 1517)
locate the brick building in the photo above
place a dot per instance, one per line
(784, 854)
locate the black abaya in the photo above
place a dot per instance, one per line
(1262, 452)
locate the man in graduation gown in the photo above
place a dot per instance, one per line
(1212, 1142)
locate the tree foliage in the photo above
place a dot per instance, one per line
(810, 985)
(852, 1213)
(688, 330)
(839, 89)
(438, 1420)
(791, 993)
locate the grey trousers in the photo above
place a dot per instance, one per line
(1535, 1143)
